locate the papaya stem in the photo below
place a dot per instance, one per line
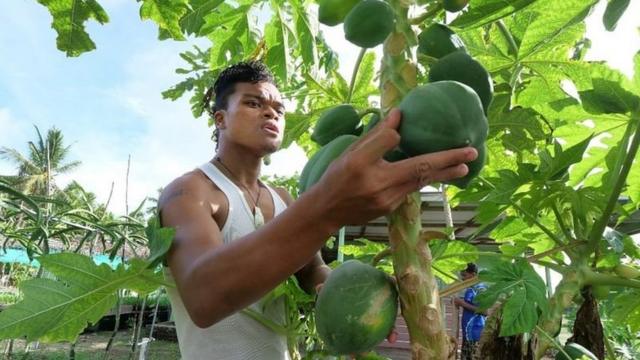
(551, 320)
(563, 226)
(369, 111)
(553, 341)
(459, 286)
(596, 278)
(444, 273)
(513, 47)
(601, 223)
(381, 255)
(430, 13)
(544, 229)
(354, 74)
(277, 328)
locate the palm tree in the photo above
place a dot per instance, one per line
(46, 160)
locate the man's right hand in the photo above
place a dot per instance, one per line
(361, 185)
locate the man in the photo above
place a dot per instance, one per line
(472, 320)
(237, 239)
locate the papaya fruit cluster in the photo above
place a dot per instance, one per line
(367, 23)
(450, 111)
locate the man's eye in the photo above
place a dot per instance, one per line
(253, 103)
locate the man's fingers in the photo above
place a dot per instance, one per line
(439, 166)
(381, 139)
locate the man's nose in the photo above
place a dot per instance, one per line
(270, 113)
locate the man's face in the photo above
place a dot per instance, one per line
(466, 275)
(254, 117)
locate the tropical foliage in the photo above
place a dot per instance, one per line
(560, 180)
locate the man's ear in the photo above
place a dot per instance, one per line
(219, 119)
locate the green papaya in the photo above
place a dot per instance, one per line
(395, 155)
(369, 23)
(339, 120)
(356, 308)
(320, 161)
(333, 12)
(474, 167)
(444, 115)
(575, 352)
(438, 40)
(454, 5)
(461, 67)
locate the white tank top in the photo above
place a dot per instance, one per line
(237, 337)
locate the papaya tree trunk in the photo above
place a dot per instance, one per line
(419, 299)
(550, 322)
(418, 289)
(492, 346)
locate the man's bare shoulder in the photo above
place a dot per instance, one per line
(284, 195)
(193, 184)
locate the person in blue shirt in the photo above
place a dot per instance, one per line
(472, 320)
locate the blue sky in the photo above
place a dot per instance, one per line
(108, 103)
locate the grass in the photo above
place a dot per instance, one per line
(91, 347)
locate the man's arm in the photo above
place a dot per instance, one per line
(315, 272)
(215, 279)
(466, 305)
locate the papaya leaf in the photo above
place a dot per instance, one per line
(483, 12)
(58, 310)
(607, 97)
(526, 294)
(69, 17)
(278, 37)
(636, 73)
(167, 14)
(447, 269)
(633, 187)
(296, 126)
(364, 86)
(518, 129)
(492, 53)
(554, 17)
(232, 35)
(193, 20)
(613, 13)
(314, 84)
(305, 35)
(626, 309)
(554, 166)
(362, 249)
(160, 240)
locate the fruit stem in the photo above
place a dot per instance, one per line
(354, 74)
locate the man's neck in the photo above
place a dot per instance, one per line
(242, 167)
